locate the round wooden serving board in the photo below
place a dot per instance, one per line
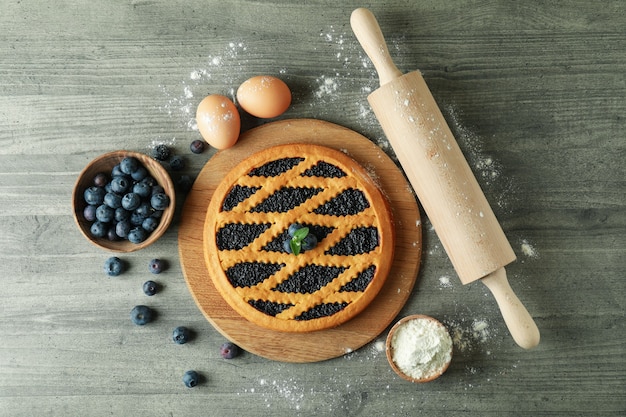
(324, 344)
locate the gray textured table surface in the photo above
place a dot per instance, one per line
(534, 91)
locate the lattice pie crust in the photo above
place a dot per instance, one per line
(247, 222)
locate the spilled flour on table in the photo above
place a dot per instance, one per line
(528, 250)
(469, 335)
(327, 87)
(445, 282)
(220, 74)
(369, 352)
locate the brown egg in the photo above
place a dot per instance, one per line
(218, 121)
(264, 96)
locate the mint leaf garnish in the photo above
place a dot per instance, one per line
(296, 241)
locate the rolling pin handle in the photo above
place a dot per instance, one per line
(518, 320)
(367, 31)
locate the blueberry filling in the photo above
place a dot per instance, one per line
(309, 279)
(268, 307)
(325, 170)
(360, 240)
(234, 236)
(249, 274)
(236, 195)
(322, 310)
(361, 281)
(275, 168)
(285, 199)
(348, 202)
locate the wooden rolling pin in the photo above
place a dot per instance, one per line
(442, 179)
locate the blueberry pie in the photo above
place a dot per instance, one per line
(248, 221)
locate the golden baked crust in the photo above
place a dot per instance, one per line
(258, 280)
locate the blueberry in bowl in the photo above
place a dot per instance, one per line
(121, 185)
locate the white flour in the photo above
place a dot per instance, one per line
(528, 250)
(421, 348)
(328, 87)
(445, 282)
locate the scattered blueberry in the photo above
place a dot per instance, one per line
(94, 195)
(177, 163)
(229, 350)
(184, 183)
(190, 379)
(129, 165)
(159, 201)
(161, 152)
(113, 266)
(150, 288)
(197, 146)
(156, 266)
(141, 315)
(181, 335)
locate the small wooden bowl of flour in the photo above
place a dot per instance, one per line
(419, 348)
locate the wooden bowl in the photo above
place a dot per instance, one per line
(105, 163)
(445, 349)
